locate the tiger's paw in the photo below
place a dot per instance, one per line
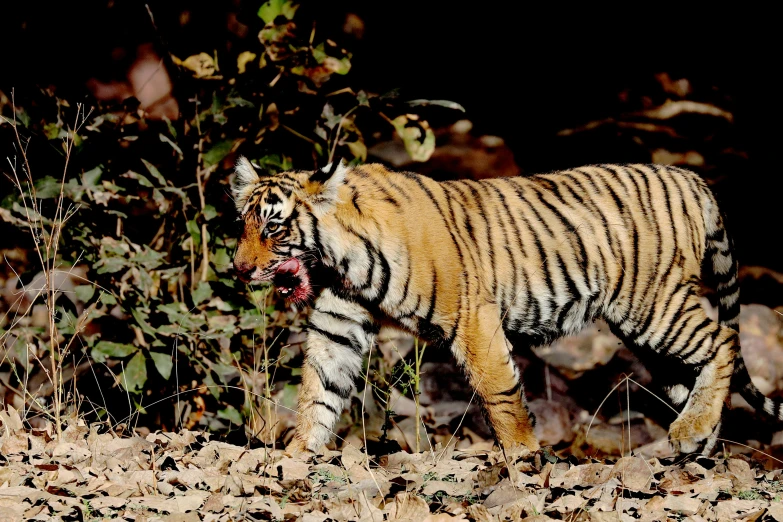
(298, 449)
(692, 434)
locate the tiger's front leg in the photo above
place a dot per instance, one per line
(340, 333)
(483, 349)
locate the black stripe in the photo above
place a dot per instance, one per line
(535, 212)
(650, 311)
(387, 196)
(658, 239)
(397, 188)
(487, 229)
(337, 338)
(433, 295)
(670, 340)
(355, 200)
(506, 242)
(385, 278)
(370, 251)
(689, 343)
(405, 287)
(514, 390)
(569, 227)
(497, 402)
(561, 316)
(367, 326)
(329, 385)
(627, 217)
(474, 249)
(727, 290)
(272, 199)
(535, 311)
(545, 266)
(328, 407)
(420, 183)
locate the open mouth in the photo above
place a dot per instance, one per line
(292, 280)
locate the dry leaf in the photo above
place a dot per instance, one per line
(584, 475)
(634, 473)
(407, 507)
(682, 505)
(352, 455)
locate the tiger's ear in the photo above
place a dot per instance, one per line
(322, 186)
(246, 177)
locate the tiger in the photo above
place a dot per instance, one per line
(482, 268)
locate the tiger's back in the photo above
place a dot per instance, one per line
(472, 265)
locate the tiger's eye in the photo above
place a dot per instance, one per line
(272, 227)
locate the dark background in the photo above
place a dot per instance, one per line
(522, 73)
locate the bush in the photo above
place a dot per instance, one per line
(124, 307)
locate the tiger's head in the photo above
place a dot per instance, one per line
(278, 214)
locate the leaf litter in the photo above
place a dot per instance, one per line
(89, 474)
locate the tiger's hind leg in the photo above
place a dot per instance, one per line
(482, 348)
(697, 426)
(677, 379)
(685, 333)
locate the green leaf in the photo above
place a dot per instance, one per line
(417, 136)
(67, 322)
(166, 139)
(358, 149)
(319, 53)
(218, 151)
(194, 231)
(161, 202)
(142, 321)
(237, 101)
(274, 8)
(443, 103)
(230, 414)
(213, 388)
(105, 349)
(155, 172)
(163, 363)
(209, 212)
(22, 116)
(179, 316)
(139, 407)
(47, 187)
(141, 178)
(52, 131)
(221, 259)
(331, 119)
(91, 177)
(84, 292)
(202, 292)
(135, 374)
(149, 258)
(111, 265)
(341, 66)
(289, 10)
(107, 298)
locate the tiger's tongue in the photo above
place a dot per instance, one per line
(291, 266)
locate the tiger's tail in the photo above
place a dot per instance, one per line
(724, 270)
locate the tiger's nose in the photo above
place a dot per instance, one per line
(244, 271)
